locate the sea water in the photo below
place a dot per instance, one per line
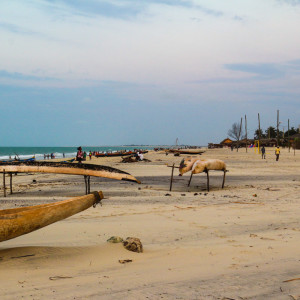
(59, 152)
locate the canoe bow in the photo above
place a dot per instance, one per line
(19, 221)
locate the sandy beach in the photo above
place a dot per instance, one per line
(240, 242)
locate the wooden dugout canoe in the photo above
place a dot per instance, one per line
(66, 168)
(19, 221)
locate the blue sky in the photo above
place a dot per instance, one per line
(98, 72)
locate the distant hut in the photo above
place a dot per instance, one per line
(227, 142)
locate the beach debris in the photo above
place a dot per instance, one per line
(293, 279)
(195, 194)
(34, 181)
(182, 194)
(59, 277)
(167, 194)
(133, 244)
(254, 195)
(124, 261)
(115, 239)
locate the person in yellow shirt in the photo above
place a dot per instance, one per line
(277, 152)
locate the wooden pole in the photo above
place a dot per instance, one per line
(277, 127)
(11, 189)
(238, 143)
(224, 179)
(190, 179)
(246, 134)
(207, 175)
(171, 180)
(4, 186)
(89, 184)
(258, 134)
(85, 183)
(289, 135)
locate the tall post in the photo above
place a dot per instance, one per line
(246, 134)
(4, 186)
(278, 127)
(258, 133)
(171, 180)
(238, 142)
(289, 135)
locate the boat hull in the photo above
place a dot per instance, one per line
(66, 168)
(19, 221)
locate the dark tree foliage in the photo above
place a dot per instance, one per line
(235, 132)
(256, 134)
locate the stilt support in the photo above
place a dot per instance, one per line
(171, 180)
(190, 179)
(207, 175)
(224, 179)
(11, 189)
(87, 184)
(4, 186)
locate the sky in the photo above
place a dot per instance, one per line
(114, 72)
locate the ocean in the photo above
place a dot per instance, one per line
(38, 152)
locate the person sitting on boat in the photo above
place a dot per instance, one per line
(141, 156)
(79, 155)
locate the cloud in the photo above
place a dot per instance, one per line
(290, 2)
(265, 70)
(16, 29)
(19, 76)
(124, 9)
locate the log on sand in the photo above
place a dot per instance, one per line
(200, 166)
(19, 221)
(66, 168)
(197, 165)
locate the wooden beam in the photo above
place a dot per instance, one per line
(171, 180)
(4, 186)
(190, 179)
(207, 175)
(224, 179)
(11, 189)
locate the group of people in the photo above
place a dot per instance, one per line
(263, 152)
(52, 156)
(81, 155)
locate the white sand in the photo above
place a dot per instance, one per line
(241, 242)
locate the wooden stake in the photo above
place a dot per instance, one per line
(238, 141)
(277, 127)
(190, 179)
(11, 189)
(207, 175)
(289, 135)
(224, 179)
(246, 134)
(85, 183)
(4, 186)
(258, 134)
(89, 185)
(172, 173)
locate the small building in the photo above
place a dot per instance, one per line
(226, 143)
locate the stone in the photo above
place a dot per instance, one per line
(133, 244)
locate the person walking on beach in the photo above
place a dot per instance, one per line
(263, 152)
(90, 155)
(79, 155)
(277, 153)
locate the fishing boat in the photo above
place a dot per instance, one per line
(18, 160)
(126, 153)
(65, 168)
(19, 221)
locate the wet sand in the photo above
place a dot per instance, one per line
(240, 242)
